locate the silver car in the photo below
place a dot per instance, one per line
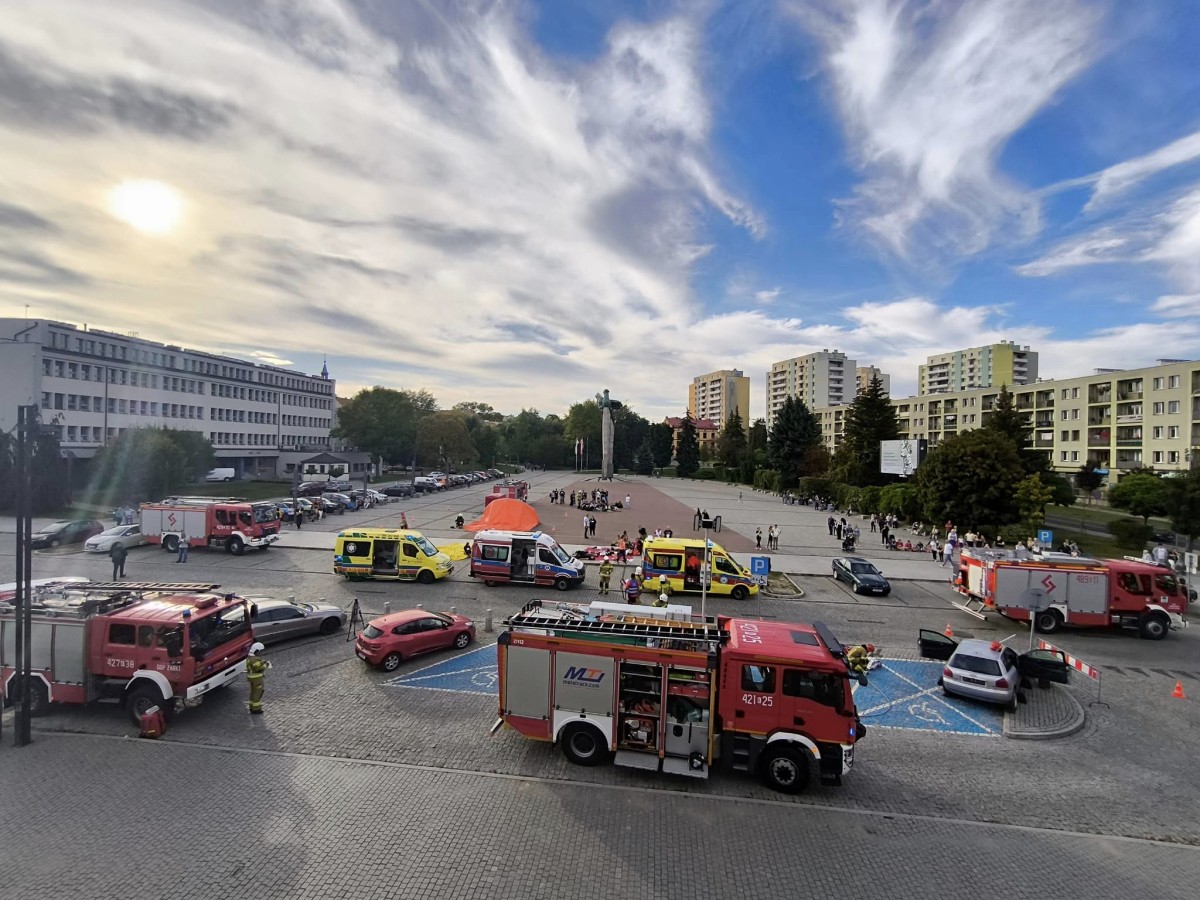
(129, 535)
(988, 670)
(278, 620)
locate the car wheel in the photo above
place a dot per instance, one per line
(739, 593)
(1011, 705)
(584, 744)
(1154, 627)
(140, 699)
(331, 626)
(786, 770)
(562, 583)
(54, 542)
(462, 640)
(1048, 621)
(391, 662)
(854, 586)
(425, 576)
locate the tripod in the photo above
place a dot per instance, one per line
(354, 621)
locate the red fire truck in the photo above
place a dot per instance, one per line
(229, 522)
(1075, 590)
(680, 695)
(140, 644)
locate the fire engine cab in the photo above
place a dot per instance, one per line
(680, 694)
(140, 644)
(1076, 591)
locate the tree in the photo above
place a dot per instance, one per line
(48, 488)
(871, 418)
(1130, 535)
(1064, 491)
(1183, 503)
(1142, 495)
(687, 449)
(383, 422)
(149, 463)
(482, 411)
(629, 430)
(757, 439)
(1032, 496)
(662, 439)
(732, 442)
(443, 437)
(1088, 480)
(794, 433)
(1005, 419)
(643, 461)
(584, 420)
(971, 479)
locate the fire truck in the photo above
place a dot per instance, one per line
(229, 522)
(1074, 590)
(663, 690)
(138, 644)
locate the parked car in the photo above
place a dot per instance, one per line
(495, 473)
(129, 535)
(861, 575)
(311, 488)
(399, 490)
(389, 640)
(65, 533)
(378, 496)
(987, 670)
(329, 505)
(426, 483)
(277, 620)
(338, 487)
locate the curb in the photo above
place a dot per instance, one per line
(1076, 722)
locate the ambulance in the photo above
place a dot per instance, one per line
(394, 554)
(681, 560)
(525, 557)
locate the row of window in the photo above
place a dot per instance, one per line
(121, 406)
(1170, 457)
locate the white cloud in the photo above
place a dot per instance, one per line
(929, 94)
(1177, 305)
(767, 297)
(1124, 175)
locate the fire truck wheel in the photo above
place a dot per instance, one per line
(236, 547)
(141, 698)
(786, 770)
(39, 700)
(391, 662)
(1154, 627)
(425, 577)
(583, 744)
(170, 543)
(1049, 621)
(489, 582)
(739, 593)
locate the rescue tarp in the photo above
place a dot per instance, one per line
(506, 514)
(457, 551)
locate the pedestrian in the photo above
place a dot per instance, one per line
(606, 569)
(1160, 554)
(587, 526)
(183, 548)
(739, 496)
(933, 548)
(633, 586)
(299, 516)
(838, 529)
(874, 522)
(758, 538)
(593, 526)
(947, 553)
(883, 533)
(404, 521)
(628, 501)
(256, 668)
(622, 548)
(831, 522)
(117, 554)
(775, 539)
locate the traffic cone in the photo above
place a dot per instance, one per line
(949, 632)
(1178, 692)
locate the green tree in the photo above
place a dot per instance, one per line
(442, 438)
(732, 443)
(148, 463)
(482, 411)
(970, 479)
(794, 433)
(1032, 496)
(383, 422)
(584, 420)
(48, 488)
(1088, 480)
(687, 450)
(1064, 491)
(1130, 535)
(757, 438)
(629, 430)
(1183, 503)
(871, 418)
(662, 439)
(643, 461)
(1143, 495)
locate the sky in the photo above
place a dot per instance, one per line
(524, 203)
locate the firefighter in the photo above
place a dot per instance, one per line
(633, 587)
(256, 668)
(606, 569)
(859, 658)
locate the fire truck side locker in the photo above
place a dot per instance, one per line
(1080, 596)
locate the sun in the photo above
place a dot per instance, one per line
(149, 206)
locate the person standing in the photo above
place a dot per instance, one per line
(739, 496)
(874, 522)
(256, 668)
(606, 569)
(298, 515)
(758, 538)
(947, 553)
(117, 554)
(831, 522)
(633, 586)
(587, 526)
(1160, 554)
(183, 547)
(593, 522)
(628, 501)
(933, 548)
(883, 533)
(622, 547)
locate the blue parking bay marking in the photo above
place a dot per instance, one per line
(904, 693)
(473, 672)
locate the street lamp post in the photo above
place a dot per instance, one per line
(27, 417)
(706, 523)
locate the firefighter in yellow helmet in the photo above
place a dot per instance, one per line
(256, 669)
(859, 658)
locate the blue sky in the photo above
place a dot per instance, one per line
(524, 203)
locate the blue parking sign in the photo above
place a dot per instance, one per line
(1045, 537)
(760, 565)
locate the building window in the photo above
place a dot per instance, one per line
(1157, 456)
(1173, 432)
(1172, 456)
(1157, 384)
(1173, 381)
(1062, 455)
(1074, 435)
(1074, 456)
(1172, 407)
(1159, 408)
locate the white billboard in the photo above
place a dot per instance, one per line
(901, 457)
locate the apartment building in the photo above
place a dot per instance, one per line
(819, 379)
(93, 385)
(995, 365)
(1117, 420)
(716, 395)
(863, 376)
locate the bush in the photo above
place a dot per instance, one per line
(667, 472)
(768, 480)
(1013, 534)
(811, 486)
(705, 474)
(1130, 534)
(868, 499)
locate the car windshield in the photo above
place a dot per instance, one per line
(371, 632)
(863, 569)
(981, 665)
(426, 546)
(560, 554)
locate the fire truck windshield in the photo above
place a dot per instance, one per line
(216, 629)
(264, 512)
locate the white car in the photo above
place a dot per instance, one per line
(129, 535)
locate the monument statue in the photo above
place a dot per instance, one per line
(607, 405)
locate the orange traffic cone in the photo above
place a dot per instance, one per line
(949, 632)
(1178, 692)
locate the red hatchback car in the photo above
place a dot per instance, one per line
(389, 640)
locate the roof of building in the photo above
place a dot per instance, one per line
(700, 424)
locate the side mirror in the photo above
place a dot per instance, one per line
(254, 610)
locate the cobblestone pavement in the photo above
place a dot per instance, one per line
(170, 821)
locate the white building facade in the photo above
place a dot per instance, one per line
(826, 378)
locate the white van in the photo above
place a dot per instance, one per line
(221, 475)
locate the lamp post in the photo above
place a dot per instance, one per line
(706, 523)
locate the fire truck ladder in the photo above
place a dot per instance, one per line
(682, 635)
(173, 587)
(972, 606)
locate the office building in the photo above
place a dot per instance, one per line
(826, 378)
(716, 395)
(93, 385)
(995, 365)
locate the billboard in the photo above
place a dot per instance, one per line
(901, 457)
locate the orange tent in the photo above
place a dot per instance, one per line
(506, 514)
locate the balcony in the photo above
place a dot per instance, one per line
(1129, 418)
(1042, 443)
(1128, 463)
(1129, 395)
(1045, 422)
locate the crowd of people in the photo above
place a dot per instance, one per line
(595, 501)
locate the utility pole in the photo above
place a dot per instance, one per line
(27, 416)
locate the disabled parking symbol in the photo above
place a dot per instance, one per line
(904, 693)
(474, 672)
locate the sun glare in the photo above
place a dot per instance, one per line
(149, 206)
